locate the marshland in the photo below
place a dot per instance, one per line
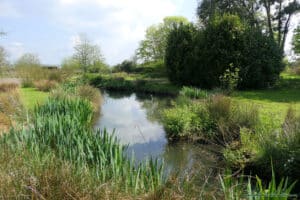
(207, 106)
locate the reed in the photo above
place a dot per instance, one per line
(63, 127)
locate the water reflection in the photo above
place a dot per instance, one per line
(128, 118)
(136, 121)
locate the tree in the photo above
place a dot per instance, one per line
(179, 57)
(296, 40)
(245, 9)
(28, 60)
(279, 14)
(70, 64)
(152, 48)
(87, 54)
(225, 46)
(275, 15)
(3, 57)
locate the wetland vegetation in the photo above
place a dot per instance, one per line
(206, 110)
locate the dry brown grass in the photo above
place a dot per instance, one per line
(11, 109)
(24, 177)
(91, 94)
(7, 85)
(45, 85)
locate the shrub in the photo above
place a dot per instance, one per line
(45, 85)
(125, 66)
(8, 85)
(91, 94)
(178, 122)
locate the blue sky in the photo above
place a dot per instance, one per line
(50, 28)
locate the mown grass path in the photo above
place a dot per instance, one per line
(30, 97)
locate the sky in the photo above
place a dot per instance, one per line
(51, 28)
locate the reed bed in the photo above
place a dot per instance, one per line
(62, 127)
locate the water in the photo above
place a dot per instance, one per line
(135, 121)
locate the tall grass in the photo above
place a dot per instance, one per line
(194, 93)
(237, 188)
(62, 127)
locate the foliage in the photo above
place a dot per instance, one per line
(70, 64)
(217, 119)
(154, 45)
(245, 9)
(276, 20)
(229, 80)
(180, 122)
(296, 40)
(137, 82)
(86, 54)
(179, 53)
(28, 60)
(126, 66)
(200, 57)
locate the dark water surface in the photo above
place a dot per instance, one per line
(135, 121)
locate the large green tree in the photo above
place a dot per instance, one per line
(153, 47)
(245, 9)
(272, 15)
(200, 57)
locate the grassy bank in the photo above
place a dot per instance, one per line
(149, 79)
(255, 128)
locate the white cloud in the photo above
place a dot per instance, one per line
(118, 24)
(8, 10)
(15, 49)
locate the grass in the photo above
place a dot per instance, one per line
(31, 96)
(274, 102)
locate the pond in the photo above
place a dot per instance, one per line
(135, 121)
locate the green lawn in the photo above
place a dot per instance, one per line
(274, 102)
(31, 97)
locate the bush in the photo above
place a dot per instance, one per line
(125, 66)
(179, 122)
(8, 85)
(45, 85)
